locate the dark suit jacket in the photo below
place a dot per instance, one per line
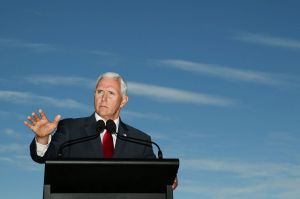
(69, 129)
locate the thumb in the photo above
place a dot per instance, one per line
(57, 119)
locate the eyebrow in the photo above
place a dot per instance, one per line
(107, 89)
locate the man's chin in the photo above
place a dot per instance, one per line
(103, 110)
(104, 114)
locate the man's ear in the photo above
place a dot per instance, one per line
(124, 101)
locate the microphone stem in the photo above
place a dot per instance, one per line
(144, 142)
(75, 141)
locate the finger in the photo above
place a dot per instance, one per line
(57, 119)
(43, 115)
(31, 120)
(35, 117)
(28, 125)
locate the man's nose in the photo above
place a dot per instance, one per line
(104, 96)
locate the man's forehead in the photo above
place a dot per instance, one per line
(109, 82)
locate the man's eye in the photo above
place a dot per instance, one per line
(99, 91)
(111, 93)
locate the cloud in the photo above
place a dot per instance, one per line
(243, 179)
(244, 170)
(8, 115)
(101, 53)
(223, 192)
(36, 47)
(23, 162)
(224, 72)
(10, 133)
(267, 40)
(166, 94)
(30, 98)
(151, 116)
(283, 140)
(158, 93)
(282, 188)
(11, 148)
(4, 113)
(61, 80)
(14, 155)
(6, 159)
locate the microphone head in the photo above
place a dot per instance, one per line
(111, 126)
(100, 125)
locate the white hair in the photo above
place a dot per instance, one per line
(116, 76)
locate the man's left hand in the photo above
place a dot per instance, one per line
(175, 183)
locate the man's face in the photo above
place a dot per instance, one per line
(108, 99)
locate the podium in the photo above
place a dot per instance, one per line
(110, 178)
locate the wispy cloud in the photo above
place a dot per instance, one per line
(11, 115)
(224, 72)
(280, 189)
(6, 159)
(30, 98)
(12, 148)
(166, 94)
(140, 115)
(242, 169)
(4, 113)
(260, 180)
(35, 47)
(61, 81)
(284, 141)
(154, 92)
(10, 133)
(224, 192)
(101, 53)
(267, 40)
(23, 162)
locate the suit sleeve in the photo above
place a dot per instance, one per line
(58, 138)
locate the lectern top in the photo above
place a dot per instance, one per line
(110, 175)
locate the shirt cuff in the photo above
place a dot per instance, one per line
(42, 148)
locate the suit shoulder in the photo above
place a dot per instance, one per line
(136, 132)
(73, 121)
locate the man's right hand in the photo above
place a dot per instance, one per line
(41, 126)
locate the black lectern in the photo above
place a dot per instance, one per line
(110, 178)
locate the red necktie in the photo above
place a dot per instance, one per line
(107, 145)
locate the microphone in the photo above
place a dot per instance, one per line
(111, 127)
(100, 126)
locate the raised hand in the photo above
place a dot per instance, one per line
(41, 126)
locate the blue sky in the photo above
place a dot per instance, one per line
(215, 83)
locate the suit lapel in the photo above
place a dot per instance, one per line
(120, 144)
(90, 129)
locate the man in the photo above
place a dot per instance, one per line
(109, 98)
